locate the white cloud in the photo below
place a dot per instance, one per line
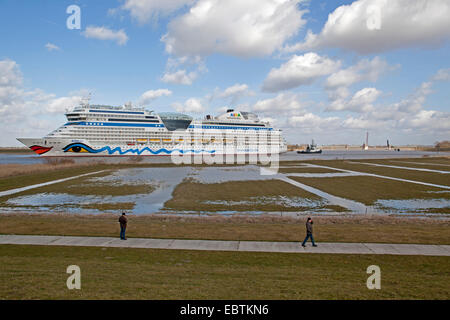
(337, 85)
(179, 77)
(312, 121)
(11, 91)
(282, 103)
(146, 10)
(60, 105)
(299, 70)
(25, 112)
(241, 28)
(364, 70)
(363, 99)
(192, 105)
(415, 101)
(103, 33)
(428, 120)
(222, 109)
(234, 92)
(237, 89)
(340, 93)
(51, 47)
(10, 74)
(442, 75)
(368, 26)
(362, 123)
(150, 95)
(360, 102)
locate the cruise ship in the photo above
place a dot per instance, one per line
(100, 130)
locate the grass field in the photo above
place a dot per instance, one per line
(306, 170)
(17, 176)
(20, 175)
(413, 164)
(39, 272)
(265, 195)
(370, 228)
(429, 177)
(370, 189)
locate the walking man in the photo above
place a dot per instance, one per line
(123, 226)
(309, 233)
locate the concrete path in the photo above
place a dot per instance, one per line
(214, 245)
(346, 203)
(398, 167)
(424, 163)
(384, 177)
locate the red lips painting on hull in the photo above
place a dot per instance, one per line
(40, 150)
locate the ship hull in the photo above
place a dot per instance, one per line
(79, 148)
(309, 152)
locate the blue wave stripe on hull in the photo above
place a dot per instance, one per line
(134, 151)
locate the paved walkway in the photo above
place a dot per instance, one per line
(213, 245)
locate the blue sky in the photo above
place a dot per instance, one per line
(328, 70)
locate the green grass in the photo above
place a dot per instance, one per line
(307, 170)
(370, 189)
(39, 272)
(372, 229)
(414, 164)
(18, 181)
(109, 206)
(264, 195)
(431, 160)
(45, 172)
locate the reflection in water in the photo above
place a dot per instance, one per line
(412, 205)
(294, 202)
(165, 179)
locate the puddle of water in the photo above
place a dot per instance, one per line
(224, 174)
(166, 179)
(295, 202)
(413, 204)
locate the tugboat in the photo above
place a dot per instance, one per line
(312, 148)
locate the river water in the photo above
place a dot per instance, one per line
(287, 156)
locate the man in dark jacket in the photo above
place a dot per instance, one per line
(123, 226)
(309, 233)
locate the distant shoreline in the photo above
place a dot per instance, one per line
(18, 150)
(24, 150)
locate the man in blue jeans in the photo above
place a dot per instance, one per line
(123, 226)
(309, 233)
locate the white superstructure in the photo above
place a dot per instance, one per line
(106, 130)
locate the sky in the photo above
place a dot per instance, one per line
(324, 70)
